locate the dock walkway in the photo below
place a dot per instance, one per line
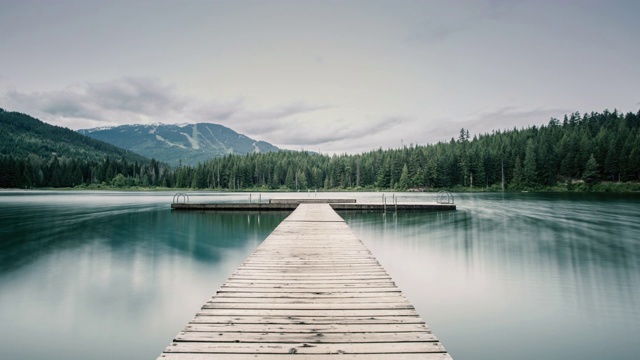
(312, 289)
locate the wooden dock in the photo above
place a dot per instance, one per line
(292, 204)
(311, 289)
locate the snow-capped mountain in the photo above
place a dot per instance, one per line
(188, 144)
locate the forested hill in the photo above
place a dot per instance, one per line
(33, 153)
(582, 150)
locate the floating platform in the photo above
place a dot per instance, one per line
(292, 204)
(312, 289)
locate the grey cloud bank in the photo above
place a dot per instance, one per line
(329, 76)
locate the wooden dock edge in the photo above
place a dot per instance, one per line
(311, 289)
(290, 206)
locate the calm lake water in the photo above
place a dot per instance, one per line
(107, 275)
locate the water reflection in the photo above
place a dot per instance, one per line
(519, 265)
(30, 231)
(507, 276)
(78, 276)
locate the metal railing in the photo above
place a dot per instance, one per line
(180, 196)
(445, 197)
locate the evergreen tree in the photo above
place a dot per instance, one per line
(290, 179)
(518, 176)
(404, 182)
(591, 174)
(612, 162)
(530, 170)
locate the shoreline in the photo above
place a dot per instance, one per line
(605, 187)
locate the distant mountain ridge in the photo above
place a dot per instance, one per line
(186, 144)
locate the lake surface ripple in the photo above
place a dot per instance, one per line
(106, 275)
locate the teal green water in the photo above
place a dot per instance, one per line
(110, 275)
(520, 276)
(106, 275)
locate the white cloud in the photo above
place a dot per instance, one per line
(294, 125)
(124, 100)
(146, 96)
(342, 77)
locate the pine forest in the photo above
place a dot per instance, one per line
(581, 152)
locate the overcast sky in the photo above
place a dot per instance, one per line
(329, 76)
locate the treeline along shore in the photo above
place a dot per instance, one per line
(590, 152)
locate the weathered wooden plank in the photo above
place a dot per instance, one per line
(332, 265)
(313, 200)
(304, 257)
(303, 275)
(307, 284)
(307, 306)
(332, 262)
(310, 276)
(310, 295)
(297, 253)
(295, 348)
(316, 313)
(312, 287)
(317, 213)
(345, 247)
(280, 277)
(348, 245)
(344, 244)
(314, 271)
(275, 248)
(284, 278)
(309, 290)
(204, 356)
(313, 282)
(309, 287)
(337, 241)
(323, 320)
(310, 260)
(398, 299)
(323, 266)
(311, 270)
(343, 240)
(317, 269)
(308, 328)
(310, 337)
